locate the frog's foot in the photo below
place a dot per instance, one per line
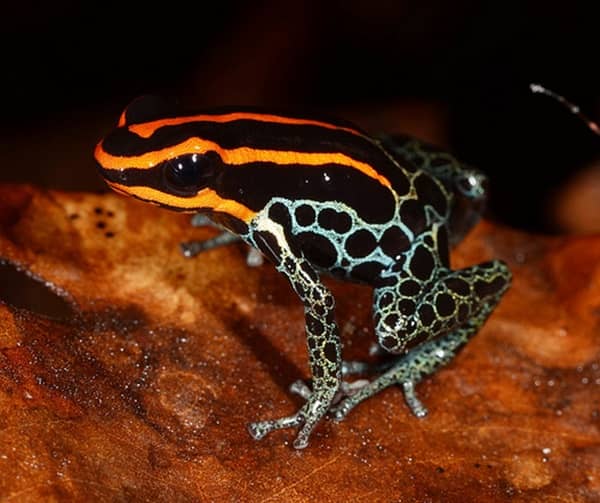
(260, 429)
(254, 258)
(407, 371)
(309, 415)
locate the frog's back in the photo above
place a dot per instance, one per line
(351, 207)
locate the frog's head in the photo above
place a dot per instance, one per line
(152, 155)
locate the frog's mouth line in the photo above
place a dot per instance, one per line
(205, 199)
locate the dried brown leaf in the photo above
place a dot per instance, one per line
(141, 389)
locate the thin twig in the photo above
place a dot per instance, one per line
(574, 109)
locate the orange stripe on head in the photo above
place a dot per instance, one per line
(147, 129)
(204, 199)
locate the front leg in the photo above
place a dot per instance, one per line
(192, 248)
(324, 348)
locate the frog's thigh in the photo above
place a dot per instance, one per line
(411, 312)
(487, 284)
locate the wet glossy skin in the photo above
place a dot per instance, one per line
(320, 197)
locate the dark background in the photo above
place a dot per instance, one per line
(68, 69)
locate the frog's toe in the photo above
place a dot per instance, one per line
(412, 400)
(191, 248)
(260, 429)
(353, 392)
(301, 389)
(350, 367)
(254, 258)
(341, 410)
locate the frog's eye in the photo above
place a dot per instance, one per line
(472, 184)
(187, 174)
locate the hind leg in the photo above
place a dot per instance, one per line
(443, 320)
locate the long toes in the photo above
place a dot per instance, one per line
(259, 429)
(340, 411)
(301, 440)
(191, 248)
(300, 388)
(412, 400)
(354, 367)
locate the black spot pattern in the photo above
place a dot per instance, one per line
(330, 352)
(444, 304)
(280, 214)
(385, 300)
(410, 287)
(406, 307)
(318, 249)
(486, 288)
(336, 221)
(268, 244)
(430, 192)
(366, 272)
(412, 213)
(394, 242)
(458, 286)
(422, 263)
(305, 215)
(360, 244)
(427, 314)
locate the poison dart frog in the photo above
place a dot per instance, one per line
(321, 197)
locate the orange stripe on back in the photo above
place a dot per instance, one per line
(243, 155)
(147, 129)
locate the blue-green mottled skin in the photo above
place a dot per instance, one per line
(335, 219)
